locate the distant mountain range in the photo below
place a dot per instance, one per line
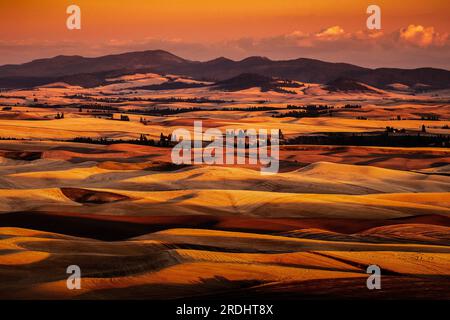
(89, 72)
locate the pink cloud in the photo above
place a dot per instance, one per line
(331, 33)
(422, 36)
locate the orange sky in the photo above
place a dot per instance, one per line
(199, 21)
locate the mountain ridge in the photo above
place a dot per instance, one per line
(72, 68)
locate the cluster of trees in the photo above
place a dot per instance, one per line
(250, 109)
(310, 107)
(163, 111)
(290, 84)
(12, 97)
(160, 100)
(143, 121)
(9, 138)
(164, 140)
(432, 117)
(394, 130)
(306, 111)
(77, 96)
(399, 138)
(96, 107)
(282, 90)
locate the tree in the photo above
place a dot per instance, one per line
(143, 138)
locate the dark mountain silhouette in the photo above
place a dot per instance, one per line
(94, 71)
(305, 70)
(70, 65)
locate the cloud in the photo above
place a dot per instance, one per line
(372, 48)
(410, 47)
(422, 36)
(331, 33)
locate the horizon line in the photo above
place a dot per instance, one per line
(217, 58)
